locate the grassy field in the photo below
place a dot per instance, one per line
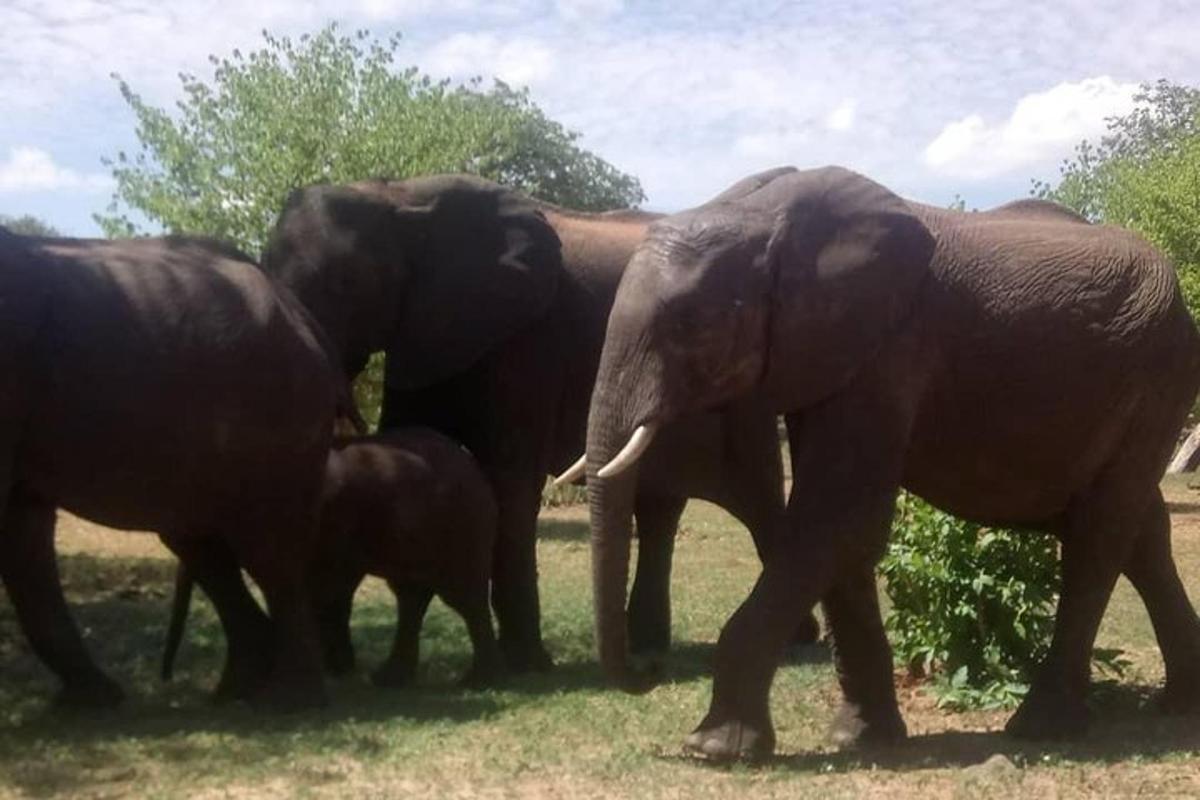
(555, 735)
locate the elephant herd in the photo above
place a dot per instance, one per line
(1018, 366)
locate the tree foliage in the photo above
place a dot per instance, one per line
(333, 108)
(329, 108)
(1144, 174)
(28, 225)
(972, 608)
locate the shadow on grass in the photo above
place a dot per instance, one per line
(564, 530)
(1126, 726)
(1183, 507)
(686, 662)
(62, 753)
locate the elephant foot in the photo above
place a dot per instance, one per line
(808, 632)
(94, 693)
(1049, 716)
(731, 740)
(526, 657)
(853, 728)
(394, 675)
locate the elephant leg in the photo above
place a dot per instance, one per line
(212, 564)
(1100, 527)
(753, 487)
(486, 662)
(514, 575)
(847, 460)
(649, 615)
(764, 528)
(29, 568)
(1152, 571)
(801, 571)
(400, 667)
(869, 713)
(274, 553)
(333, 623)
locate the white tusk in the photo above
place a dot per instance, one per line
(574, 472)
(630, 452)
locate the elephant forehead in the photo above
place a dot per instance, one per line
(696, 233)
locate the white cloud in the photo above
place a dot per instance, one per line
(688, 97)
(29, 169)
(842, 117)
(1043, 126)
(520, 61)
(384, 10)
(573, 10)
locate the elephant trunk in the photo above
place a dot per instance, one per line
(611, 500)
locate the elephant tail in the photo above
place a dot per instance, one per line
(179, 611)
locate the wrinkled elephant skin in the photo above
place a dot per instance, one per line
(1017, 367)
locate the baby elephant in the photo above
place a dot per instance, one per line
(410, 506)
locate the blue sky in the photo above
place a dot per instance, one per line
(931, 97)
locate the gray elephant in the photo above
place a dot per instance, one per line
(164, 384)
(491, 309)
(412, 507)
(1016, 367)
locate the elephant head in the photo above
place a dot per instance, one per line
(433, 270)
(784, 285)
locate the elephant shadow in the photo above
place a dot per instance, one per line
(564, 530)
(121, 606)
(686, 662)
(1126, 726)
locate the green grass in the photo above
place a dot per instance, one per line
(561, 734)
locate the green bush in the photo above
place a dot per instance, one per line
(972, 608)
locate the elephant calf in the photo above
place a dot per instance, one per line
(410, 506)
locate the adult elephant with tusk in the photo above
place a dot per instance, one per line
(491, 309)
(1016, 367)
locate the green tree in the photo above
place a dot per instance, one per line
(329, 108)
(333, 108)
(1144, 174)
(28, 225)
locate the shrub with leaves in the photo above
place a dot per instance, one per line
(972, 607)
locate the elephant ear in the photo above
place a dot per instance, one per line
(485, 263)
(847, 258)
